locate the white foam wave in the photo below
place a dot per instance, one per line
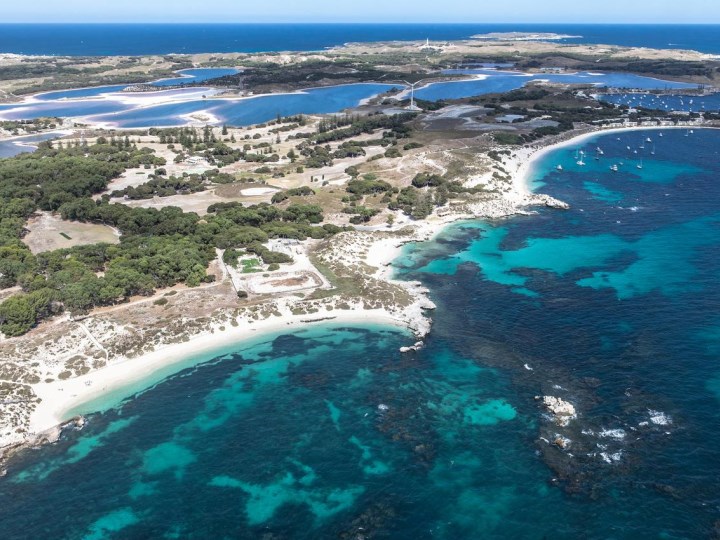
(617, 434)
(611, 458)
(659, 418)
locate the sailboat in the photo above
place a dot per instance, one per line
(578, 156)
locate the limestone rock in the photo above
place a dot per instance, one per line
(563, 411)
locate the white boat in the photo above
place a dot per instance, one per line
(559, 168)
(661, 134)
(639, 165)
(614, 168)
(600, 151)
(579, 157)
(648, 139)
(653, 150)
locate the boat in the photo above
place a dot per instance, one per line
(661, 134)
(600, 151)
(640, 165)
(653, 150)
(614, 168)
(559, 168)
(579, 157)
(648, 139)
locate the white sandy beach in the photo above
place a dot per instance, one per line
(63, 399)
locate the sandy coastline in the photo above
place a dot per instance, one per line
(63, 399)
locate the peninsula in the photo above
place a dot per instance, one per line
(125, 251)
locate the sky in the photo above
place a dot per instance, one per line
(465, 11)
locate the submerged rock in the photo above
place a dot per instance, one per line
(562, 442)
(418, 345)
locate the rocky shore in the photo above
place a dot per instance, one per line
(64, 363)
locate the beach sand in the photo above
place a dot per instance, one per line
(61, 400)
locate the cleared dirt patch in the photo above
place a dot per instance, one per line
(49, 232)
(283, 283)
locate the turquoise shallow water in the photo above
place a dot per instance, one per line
(331, 432)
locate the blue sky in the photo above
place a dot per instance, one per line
(574, 11)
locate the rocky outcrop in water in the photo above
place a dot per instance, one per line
(418, 345)
(563, 411)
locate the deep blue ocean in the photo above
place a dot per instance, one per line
(141, 39)
(330, 432)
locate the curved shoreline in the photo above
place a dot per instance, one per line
(525, 170)
(62, 400)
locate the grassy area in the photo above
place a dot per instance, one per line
(250, 265)
(347, 286)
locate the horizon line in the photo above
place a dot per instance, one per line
(356, 23)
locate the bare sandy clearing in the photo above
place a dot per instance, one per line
(49, 232)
